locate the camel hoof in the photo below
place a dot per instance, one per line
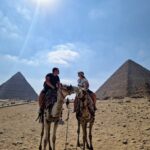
(78, 145)
(88, 147)
(40, 147)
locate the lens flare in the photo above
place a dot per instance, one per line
(46, 3)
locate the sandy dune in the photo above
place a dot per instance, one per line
(119, 125)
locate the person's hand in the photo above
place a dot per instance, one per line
(52, 87)
(58, 85)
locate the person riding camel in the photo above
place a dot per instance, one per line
(51, 83)
(83, 83)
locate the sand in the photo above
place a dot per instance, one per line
(119, 125)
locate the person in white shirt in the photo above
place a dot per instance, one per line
(83, 83)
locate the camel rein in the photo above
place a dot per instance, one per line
(67, 129)
(67, 123)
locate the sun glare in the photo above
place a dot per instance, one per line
(46, 2)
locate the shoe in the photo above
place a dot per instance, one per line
(40, 115)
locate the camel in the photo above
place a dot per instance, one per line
(84, 117)
(53, 115)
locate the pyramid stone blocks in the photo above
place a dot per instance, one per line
(130, 80)
(17, 87)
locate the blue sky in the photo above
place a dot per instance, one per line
(95, 36)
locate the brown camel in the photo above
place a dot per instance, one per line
(53, 115)
(85, 115)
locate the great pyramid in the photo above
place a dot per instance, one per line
(17, 87)
(130, 80)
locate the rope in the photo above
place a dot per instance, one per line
(67, 129)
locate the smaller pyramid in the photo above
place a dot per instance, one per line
(17, 87)
(130, 80)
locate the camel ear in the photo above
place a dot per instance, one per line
(71, 87)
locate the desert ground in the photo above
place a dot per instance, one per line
(119, 125)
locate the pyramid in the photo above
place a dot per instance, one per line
(17, 87)
(130, 80)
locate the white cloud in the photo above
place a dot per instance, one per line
(10, 57)
(16, 59)
(60, 54)
(7, 28)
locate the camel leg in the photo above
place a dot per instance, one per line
(54, 134)
(86, 140)
(42, 133)
(84, 134)
(49, 141)
(90, 135)
(78, 132)
(87, 144)
(47, 129)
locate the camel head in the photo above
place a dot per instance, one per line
(67, 89)
(83, 96)
(81, 93)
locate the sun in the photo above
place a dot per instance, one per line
(45, 3)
